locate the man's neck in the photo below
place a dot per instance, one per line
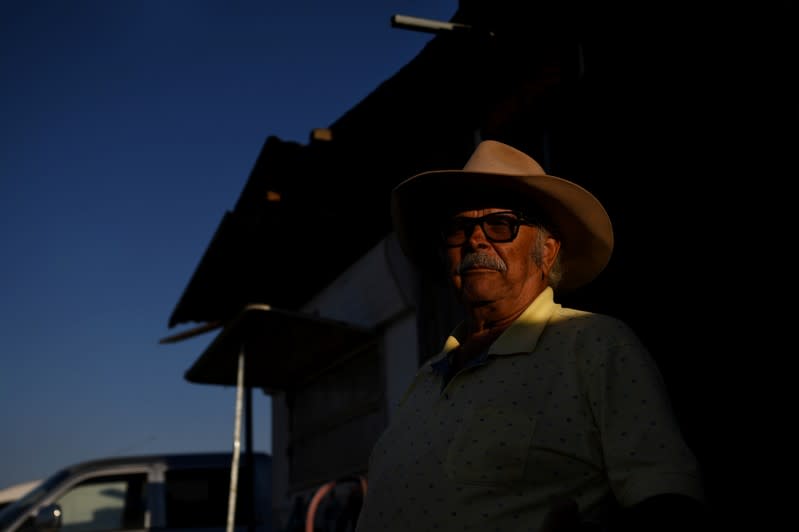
(485, 317)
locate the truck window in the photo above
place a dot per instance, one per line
(105, 503)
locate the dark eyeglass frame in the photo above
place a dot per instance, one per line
(515, 218)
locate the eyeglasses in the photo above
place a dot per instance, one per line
(497, 227)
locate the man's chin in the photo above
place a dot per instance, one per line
(474, 290)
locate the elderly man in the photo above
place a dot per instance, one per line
(533, 416)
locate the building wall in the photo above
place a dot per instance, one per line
(325, 429)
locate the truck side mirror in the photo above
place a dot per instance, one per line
(48, 518)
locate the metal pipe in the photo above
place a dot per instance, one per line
(234, 466)
(426, 25)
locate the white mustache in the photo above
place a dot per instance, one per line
(483, 260)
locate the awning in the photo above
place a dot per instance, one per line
(281, 348)
(272, 349)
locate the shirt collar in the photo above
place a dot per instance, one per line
(521, 336)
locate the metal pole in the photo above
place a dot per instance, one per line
(249, 452)
(234, 466)
(427, 25)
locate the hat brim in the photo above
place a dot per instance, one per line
(576, 217)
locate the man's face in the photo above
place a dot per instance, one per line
(485, 271)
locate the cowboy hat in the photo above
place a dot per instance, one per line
(498, 175)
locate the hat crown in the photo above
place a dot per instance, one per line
(492, 157)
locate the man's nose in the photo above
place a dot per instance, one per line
(477, 236)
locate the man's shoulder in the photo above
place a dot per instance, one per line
(585, 317)
(586, 324)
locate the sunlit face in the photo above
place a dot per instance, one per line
(482, 271)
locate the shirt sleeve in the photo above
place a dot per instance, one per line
(642, 445)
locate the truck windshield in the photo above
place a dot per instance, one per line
(21, 506)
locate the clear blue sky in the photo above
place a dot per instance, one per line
(128, 129)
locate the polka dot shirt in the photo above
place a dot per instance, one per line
(564, 402)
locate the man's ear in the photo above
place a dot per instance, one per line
(551, 250)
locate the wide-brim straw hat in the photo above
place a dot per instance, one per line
(498, 175)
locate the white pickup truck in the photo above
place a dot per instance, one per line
(169, 492)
